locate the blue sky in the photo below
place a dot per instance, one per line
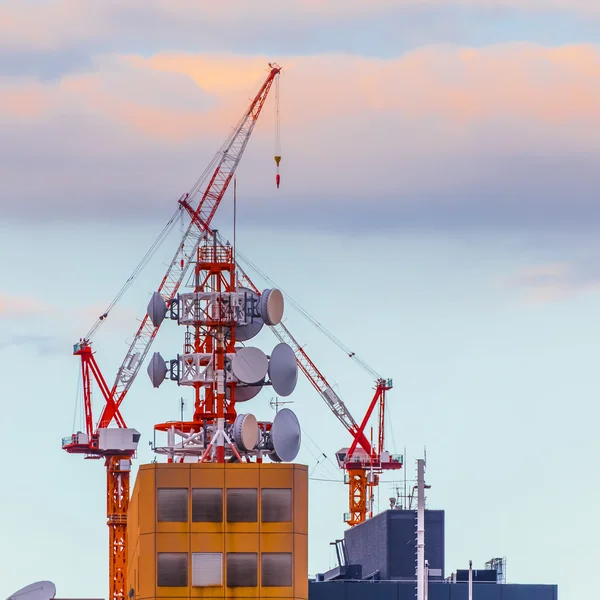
(437, 213)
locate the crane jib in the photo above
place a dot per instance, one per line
(228, 160)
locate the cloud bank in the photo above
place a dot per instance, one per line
(445, 137)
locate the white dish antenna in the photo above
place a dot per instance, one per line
(246, 432)
(250, 365)
(243, 333)
(271, 306)
(157, 369)
(285, 436)
(283, 369)
(157, 309)
(41, 590)
(243, 393)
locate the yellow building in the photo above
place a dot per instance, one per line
(212, 530)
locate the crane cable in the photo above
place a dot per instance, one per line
(140, 267)
(277, 133)
(311, 319)
(166, 230)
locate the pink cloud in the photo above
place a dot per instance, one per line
(545, 283)
(19, 306)
(557, 86)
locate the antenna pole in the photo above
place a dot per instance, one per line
(470, 580)
(405, 492)
(420, 529)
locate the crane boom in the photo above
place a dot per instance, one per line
(229, 158)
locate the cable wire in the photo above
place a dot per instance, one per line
(311, 319)
(140, 267)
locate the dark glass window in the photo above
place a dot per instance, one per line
(172, 569)
(172, 505)
(242, 505)
(276, 505)
(276, 569)
(207, 505)
(242, 569)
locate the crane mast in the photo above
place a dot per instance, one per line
(118, 445)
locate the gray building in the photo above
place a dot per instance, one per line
(377, 561)
(386, 545)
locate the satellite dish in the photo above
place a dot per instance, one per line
(157, 369)
(157, 309)
(41, 590)
(283, 369)
(285, 436)
(244, 393)
(246, 433)
(250, 365)
(271, 307)
(243, 333)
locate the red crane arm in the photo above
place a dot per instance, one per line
(226, 160)
(378, 397)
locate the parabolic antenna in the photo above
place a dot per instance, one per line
(157, 369)
(285, 436)
(243, 333)
(246, 392)
(283, 369)
(246, 432)
(271, 307)
(250, 365)
(41, 590)
(157, 309)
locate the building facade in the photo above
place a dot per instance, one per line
(219, 530)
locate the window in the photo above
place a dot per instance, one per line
(172, 569)
(276, 505)
(207, 569)
(172, 505)
(242, 569)
(242, 505)
(276, 569)
(207, 505)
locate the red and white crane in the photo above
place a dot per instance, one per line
(117, 445)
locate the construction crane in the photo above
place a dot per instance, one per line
(362, 461)
(118, 445)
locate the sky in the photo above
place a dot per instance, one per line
(437, 213)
